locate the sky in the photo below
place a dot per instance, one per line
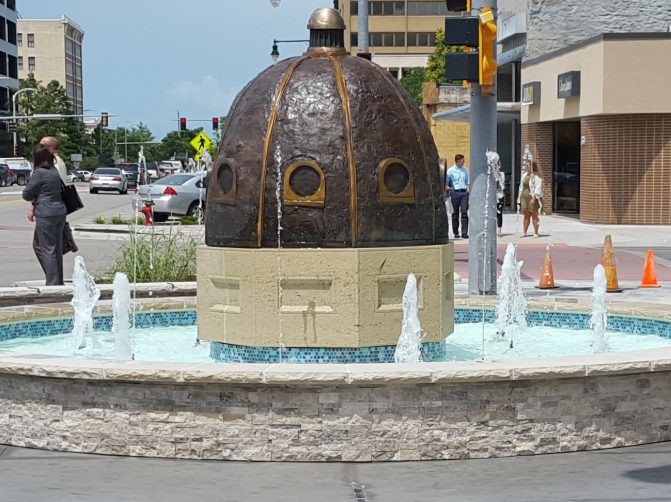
(148, 60)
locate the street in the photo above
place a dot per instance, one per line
(16, 233)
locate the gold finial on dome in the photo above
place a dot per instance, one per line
(326, 19)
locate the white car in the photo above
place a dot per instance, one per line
(83, 175)
(72, 177)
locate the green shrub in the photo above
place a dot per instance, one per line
(117, 219)
(100, 220)
(188, 220)
(160, 258)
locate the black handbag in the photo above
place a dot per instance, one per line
(71, 198)
(69, 244)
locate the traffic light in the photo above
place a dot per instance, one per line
(182, 124)
(11, 125)
(462, 32)
(215, 123)
(458, 5)
(104, 119)
(487, 47)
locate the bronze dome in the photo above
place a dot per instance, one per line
(357, 163)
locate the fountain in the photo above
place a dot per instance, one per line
(120, 318)
(511, 312)
(84, 298)
(325, 264)
(409, 346)
(599, 320)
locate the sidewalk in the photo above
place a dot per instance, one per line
(576, 248)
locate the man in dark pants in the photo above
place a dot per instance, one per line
(458, 186)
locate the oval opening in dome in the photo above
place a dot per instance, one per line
(225, 178)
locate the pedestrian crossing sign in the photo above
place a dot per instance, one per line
(201, 142)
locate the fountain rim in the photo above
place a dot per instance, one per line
(310, 374)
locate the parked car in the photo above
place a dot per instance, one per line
(7, 176)
(153, 172)
(72, 177)
(166, 168)
(108, 178)
(21, 167)
(83, 175)
(133, 174)
(179, 194)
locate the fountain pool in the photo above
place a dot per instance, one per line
(345, 412)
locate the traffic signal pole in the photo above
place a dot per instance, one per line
(482, 200)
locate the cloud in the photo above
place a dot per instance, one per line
(205, 95)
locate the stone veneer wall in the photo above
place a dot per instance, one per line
(625, 169)
(552, 25)
(539, 137)
(478, 413)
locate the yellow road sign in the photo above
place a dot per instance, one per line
(201, 142)
(199, 155)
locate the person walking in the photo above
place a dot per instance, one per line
(52, 144)
(49, 212)
(458, 186)
(530, 196)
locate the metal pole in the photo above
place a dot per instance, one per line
(482, 203)
(27, 89)
(125, 140)
(362, 42)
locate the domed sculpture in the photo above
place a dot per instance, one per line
(351, 156)
(324, 196)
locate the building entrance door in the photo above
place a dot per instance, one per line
(566, 168)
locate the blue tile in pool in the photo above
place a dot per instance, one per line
(48, 327)
(229, 353)
(430, 351)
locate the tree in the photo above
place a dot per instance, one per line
(412, 81)
(435, 67)
(50, 99)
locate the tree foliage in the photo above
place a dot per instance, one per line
(435, 67)
(412, 81)
(101, 147)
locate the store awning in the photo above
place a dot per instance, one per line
(505, 112)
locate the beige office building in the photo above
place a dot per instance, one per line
(401, 33)
(51, 49)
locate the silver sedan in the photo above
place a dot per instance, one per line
(108, 178)
(179, 194)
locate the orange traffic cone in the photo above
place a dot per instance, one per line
(547, 279)
(649, 276)
(608, 263)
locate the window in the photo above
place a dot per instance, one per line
(70, 89)
(377, 8)
(31, 40)
(69, 68)
(381, 39)
(3, 63)
(11, 4)
(3, 28)
(20, 60)
(422, 39)
(31, 63)
(427, 8)
(11, 61)
(19, 39)
(304, 185)
(11, 32)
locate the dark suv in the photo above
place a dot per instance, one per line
(131, 171)
(7, 176)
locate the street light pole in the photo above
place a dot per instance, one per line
(26, 89)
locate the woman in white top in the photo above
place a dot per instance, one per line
(530, 196)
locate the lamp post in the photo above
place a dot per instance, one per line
(275, 54)
(25, 89)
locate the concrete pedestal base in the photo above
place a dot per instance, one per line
(321, 297)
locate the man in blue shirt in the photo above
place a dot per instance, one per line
(458, 186)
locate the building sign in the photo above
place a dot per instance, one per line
(531, 93)
(568, 84)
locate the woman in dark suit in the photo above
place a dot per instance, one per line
(44, 191)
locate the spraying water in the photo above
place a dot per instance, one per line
(599, 320)
(511, 312)
(84, 298)
(278, 199)
(409, 347)
(121, 307)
